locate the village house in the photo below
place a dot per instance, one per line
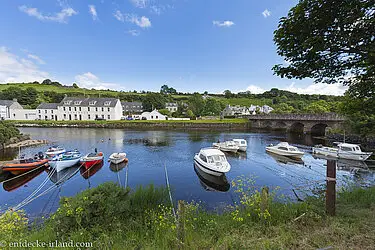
(171, 106)
(235, 111)
(130, 108)
(12, 110)
(265, 109)
(47, 111)
(153, 115)
(73, 108)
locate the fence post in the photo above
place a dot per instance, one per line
(331, 188)
(181, 223)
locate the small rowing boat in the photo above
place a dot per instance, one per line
(91, 159)
(23, 165)
(65, 160)
(117, 158)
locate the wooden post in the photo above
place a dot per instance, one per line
(264, 199)
(331, 188)
(181, 223)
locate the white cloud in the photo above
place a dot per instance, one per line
(140, 3)
(223, 23)
(143, 22)
(266, 13)
(90, 81)
(92, 11)
(61, 17)
(318, 88)
(36, 58)
(133, 32)
(314, 88)
(15, 69)
(255, 89)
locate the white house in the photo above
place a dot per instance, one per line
(8, 109)
(132, 107)
(265, 109)
(171, 106)
(153, 115)
(47, 111)
(73, 108)
(235, 111)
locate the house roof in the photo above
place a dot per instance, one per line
(6, 102)
(47, 106)
(131, 103)
(85, 102)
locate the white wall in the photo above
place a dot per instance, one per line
(23, 114)
(3, 112)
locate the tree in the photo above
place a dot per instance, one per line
(196, 104)
(165, 112)
(7, 131)
(331, 41)
(318, 107)
(154, 101)
(167, 90)
(228, 94)
(75, 85)
(283, 108)
(212, 107)
(47, 82)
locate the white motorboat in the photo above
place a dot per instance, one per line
(212, 161)
(342, 151)
(65, 160)
(284, 149)
(227, 146)
(117, 158)
(55, 150)
(241, 143)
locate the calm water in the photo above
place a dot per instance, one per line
(150, 151)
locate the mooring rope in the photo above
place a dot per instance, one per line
(169, 189)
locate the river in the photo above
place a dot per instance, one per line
(149, 152)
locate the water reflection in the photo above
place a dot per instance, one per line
(211, 182)
(12, 182)
(87, 173)
(285, 159)
(117, 167)
(61, 177)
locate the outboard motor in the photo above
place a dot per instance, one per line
(41, 155)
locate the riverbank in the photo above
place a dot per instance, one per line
(111, 217)
(225, 124)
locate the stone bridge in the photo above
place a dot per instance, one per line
(315, 124)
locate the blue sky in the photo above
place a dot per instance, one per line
(192, 45)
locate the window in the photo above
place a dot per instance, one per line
(109, 117)
(80, 109)
(70, 109)
(52, 117)
(346, 149)
(67, 102)
(51, 111)
(109, 109)
(75, 117)
(64, 108)
(96, 109)
(89, 116)
(40, 117)
(157, 117)
(283, 148)
(96, 116)
(203, 158)
(64, 116)
(152, 117)
(107, 103)
(88, 109)
(39, 111)
(75, 108)
(103, 116)
(45, 111)
(102, 109)
(45, 118)
(92, 102)
(77, 102)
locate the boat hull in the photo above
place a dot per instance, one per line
(117, 158)
(338, 154)
(61, 165)
(207, 170)
(297, 155)
(242, 148)
(18, 168)
(89, 163)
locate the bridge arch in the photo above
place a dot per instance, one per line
(280, 125)
(319, 129)
(297, 127)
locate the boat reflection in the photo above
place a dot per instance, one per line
(285, 159)
(89, 172)
(117, 167)
(211, 182)
(61, 177)
(352, 166)
(15, 181)
(238, 155)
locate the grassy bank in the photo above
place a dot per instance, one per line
(115, 218)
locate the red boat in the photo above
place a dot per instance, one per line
(24, 165)
(91, 159)
(87, 173)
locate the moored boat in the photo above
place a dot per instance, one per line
(90, 171)
(65, 160)
(212, 161)
(55, 150)
(117, 158)
(23, 165)
(342, 151)
(227, 146)
(284, 149)
(241, 143)
(91, 159)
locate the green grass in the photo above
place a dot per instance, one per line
(115, 218)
